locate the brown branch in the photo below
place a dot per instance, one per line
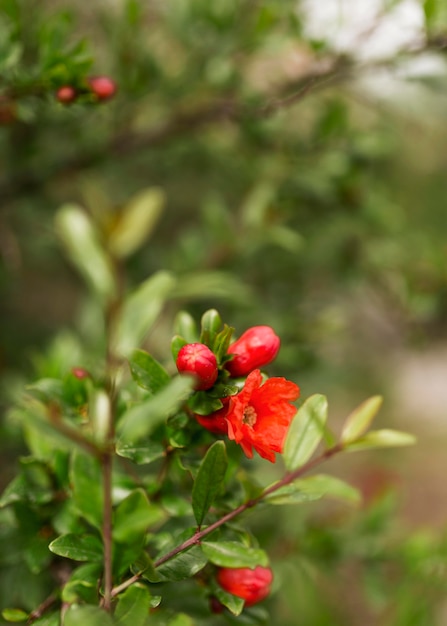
(179, 124)
(199, 535)
(42, 608)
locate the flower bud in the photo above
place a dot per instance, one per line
(253, 585)
(66, 94)
(257, 347)
(80, 373)
(199, 361)
(103, 87)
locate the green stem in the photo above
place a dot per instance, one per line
(107, 463)
(198, 536)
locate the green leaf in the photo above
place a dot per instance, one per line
(133, 606)
(134, 515)
(305, 432)
(382, 439)
(209, 480)
(314, 488)
(86, 478)
(78, 547)
(141, 454)
(233, 603)
(203, 403)
(83, 584)
(210, 325)
(184, 565)
(100, 414)
(181, 619)
(233, 554)
(136, 221)
(186, 327)
(87, 616)
(84, 249)
(147, 372)
(177, 344)
(360, 419)
(140, 310)
(14, 615)
(140, 420)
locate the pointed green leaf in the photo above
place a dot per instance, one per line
(133, 606)
(233, 603)
(141, 309)
(141, 454)
(134, 515)
(360, 419)
(382, 439)
(140, 420)
(83, 584)
(186, 327)
(78, 547)
(305, 432)
(233, 554)
(84, 249)
(184, 565)
(313, 488)
(14, 615)
(211, 323)
(209, 480)
(136, 222)
(147, 372)
(87, 616)
(86, 478)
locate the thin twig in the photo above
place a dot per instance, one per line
(198, 536)
(42, 608)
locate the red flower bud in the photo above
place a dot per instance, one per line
(198, 360)
(253, 585)
(102, 86)
(255, 348)
(80, 373)
(66, 94)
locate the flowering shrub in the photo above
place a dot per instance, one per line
(134, 476)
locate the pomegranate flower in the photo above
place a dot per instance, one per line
(258, 416)
(253, 585)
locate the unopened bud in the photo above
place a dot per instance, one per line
(199, 361)
(257, 347)
(103, 87)
(253, 585)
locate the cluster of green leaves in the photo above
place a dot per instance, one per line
(171, 510)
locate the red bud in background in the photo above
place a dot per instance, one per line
(66, 94)
(103, 87)
(257, 347)
(199, 361)
(253, 585)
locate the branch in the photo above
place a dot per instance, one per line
(198, 536)
(180, 124)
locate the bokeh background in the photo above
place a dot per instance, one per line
(300, 151)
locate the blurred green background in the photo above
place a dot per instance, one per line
(300, 151)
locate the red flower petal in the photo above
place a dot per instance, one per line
(259, 416)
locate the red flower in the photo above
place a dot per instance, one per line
(258, 416)
(253, 585)
(257, 347)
